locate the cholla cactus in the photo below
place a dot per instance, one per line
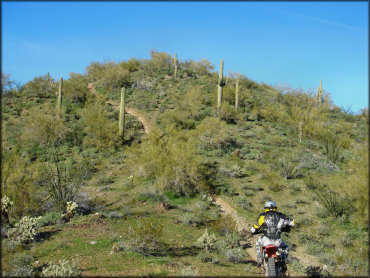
(6, 203)
(62, 268)
(25, 230)
(207, 241)
(71, 207)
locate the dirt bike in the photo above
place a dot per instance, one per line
(271, 261)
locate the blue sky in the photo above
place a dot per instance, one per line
(287, 43)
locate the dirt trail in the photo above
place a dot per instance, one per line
(242, 226)
(240, 223)
(129, 110)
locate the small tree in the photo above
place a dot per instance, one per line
(62, 181)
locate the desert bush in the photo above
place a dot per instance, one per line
(202, 67)
(143, 237)
(43, 128)
(316, 271)
(228, 114)
(21, 266)
(288, 168)
(100, 131)
(75, 89)
(41, 86)
(224, 225)
(244, 203)
(204, 257)
(172, 161)
(177, 118)
(49, 218)
(108, 75)
(235, 255)
(189, 272)
(131, 65)
(62, 179)
(213, 133)
(62, 268)
(334, 204)
(207, 241)
(333, 142)
(25, 230)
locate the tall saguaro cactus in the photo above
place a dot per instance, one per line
(319, 93)
(175, 61)
(59, 105)
(237, 95)
(220, 85)
(121, 130)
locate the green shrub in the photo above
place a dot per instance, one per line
(235, 255)
(49, 218)
(75, 89)
(224, 225)
(62, 268)
(43, 128)
(204, 257)
(172, 161)
(212, 133)
(189, 272)
(334, 204)
(244, 203)
(41, 86)
(100, 131)
(333, 143)
(143, 237)
(21, 266)
(228, 114)
(288, 168)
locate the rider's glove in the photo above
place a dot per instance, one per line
(291, 223)
(253, 230)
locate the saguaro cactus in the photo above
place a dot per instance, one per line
(121, 130)
(60, 95)
(175, 61)
(220, 85)
(319, 93)
(300, 130)
(237, 95)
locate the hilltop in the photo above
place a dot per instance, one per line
(145, 199)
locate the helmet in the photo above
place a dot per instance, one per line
(270, 206)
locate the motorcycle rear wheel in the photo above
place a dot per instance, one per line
(270, 268)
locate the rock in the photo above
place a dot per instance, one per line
(93, 242)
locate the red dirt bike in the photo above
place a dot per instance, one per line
(271, 261)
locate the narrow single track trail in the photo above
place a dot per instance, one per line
(226, 209)
(129, 110)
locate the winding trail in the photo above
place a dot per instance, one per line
(240, 224)
(249, 246)
(129, 110)
(226, 209)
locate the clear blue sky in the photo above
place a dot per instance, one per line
(292, 43)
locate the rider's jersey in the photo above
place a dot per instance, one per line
(272, 223)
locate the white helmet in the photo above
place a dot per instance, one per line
(270, 206)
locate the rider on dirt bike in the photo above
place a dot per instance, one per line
(271, 223)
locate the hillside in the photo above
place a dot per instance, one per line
(144, 200)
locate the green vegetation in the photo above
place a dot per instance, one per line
(144, 202)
